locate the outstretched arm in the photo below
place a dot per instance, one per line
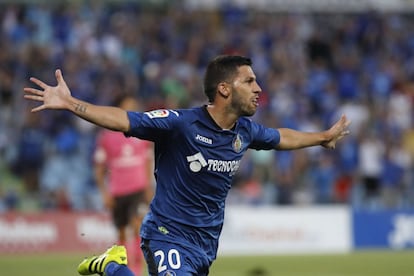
(59, 97)
(292, 139)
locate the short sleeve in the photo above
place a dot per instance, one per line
(264, 138)
(149, 125)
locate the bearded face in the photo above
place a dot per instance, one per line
(245, 92)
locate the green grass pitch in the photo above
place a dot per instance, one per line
(364, 263)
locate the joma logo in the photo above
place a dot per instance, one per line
(204, 139)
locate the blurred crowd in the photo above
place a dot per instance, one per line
(312, 68)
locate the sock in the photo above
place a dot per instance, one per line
(114, 269)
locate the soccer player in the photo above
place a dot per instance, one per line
(123, 173)
(197, 153)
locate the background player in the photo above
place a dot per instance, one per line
(197, 153)
(123, 173)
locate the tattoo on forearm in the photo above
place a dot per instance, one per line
(80, 108)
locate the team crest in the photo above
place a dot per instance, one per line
(159, 113)
(237, 143)
(169, 273)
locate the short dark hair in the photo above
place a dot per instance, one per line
(222, 68)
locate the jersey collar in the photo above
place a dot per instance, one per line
(207, 120)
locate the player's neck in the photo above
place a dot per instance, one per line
(221, 117)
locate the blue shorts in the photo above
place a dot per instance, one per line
(169, 259)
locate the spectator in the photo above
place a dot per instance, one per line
(123, 172)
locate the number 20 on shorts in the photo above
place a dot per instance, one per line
(171, 259)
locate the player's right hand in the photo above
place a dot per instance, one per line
(51, 97)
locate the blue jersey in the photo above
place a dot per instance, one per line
(195, 161)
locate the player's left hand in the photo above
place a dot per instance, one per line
(337, 132)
